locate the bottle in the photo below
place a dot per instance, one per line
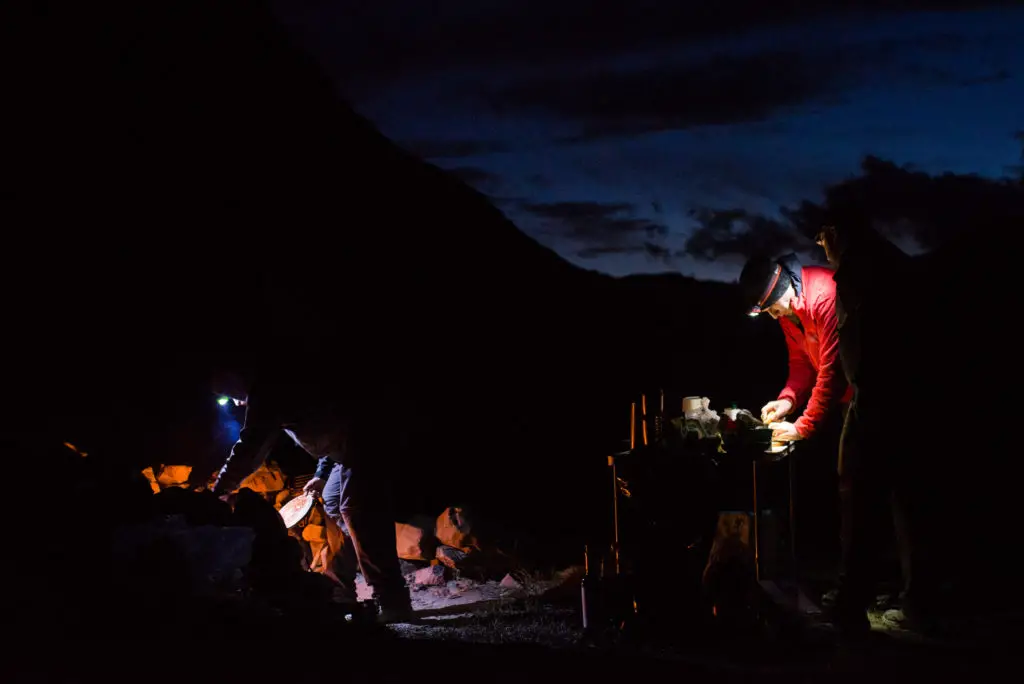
(587, 587)
(730, 425)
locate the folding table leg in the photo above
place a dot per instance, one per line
(794, 567)
(757, 545)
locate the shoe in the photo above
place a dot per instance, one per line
(886, 602)
(364, 612)
(344, 596)
(848, 621)
(391, 616)
(882, 603)
(910, 621)
(394, 610)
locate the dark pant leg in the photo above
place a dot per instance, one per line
(365, 507)
(916, 518)
(342, 564)
(865, 501)
(816, 494)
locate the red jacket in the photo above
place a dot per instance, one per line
(815, 372)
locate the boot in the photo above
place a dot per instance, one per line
(394, 607)
(913, 618)
(848, 617)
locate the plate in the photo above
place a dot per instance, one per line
(296, 510)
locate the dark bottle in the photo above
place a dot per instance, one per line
(588, 591)
(729, 422)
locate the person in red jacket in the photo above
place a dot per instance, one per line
(803, 300)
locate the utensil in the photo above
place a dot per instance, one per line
(296, 510)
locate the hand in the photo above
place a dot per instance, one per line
(784, 432)
(314, 487)
(776, 410)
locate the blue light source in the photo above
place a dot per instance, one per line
(228, 425)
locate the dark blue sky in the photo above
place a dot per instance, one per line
(598, 133)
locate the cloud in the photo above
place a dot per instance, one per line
(721, 90)
(998, 76)
(917, 211)
(912, 206)
(649, 249)
(475, 176)
(452, 149)
(603, 228)
(608, 221)
(737, 235)
(745, 87)
(367, 46)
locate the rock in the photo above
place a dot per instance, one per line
(729, 578)
(450, 556)
(564, 584)
(173, 475)
(453, 528)
(267, 478)
(732, 543)
(318, 552)
(213, 557)
(316, 515)
(432, 576)
(485, 564)
(414, 542)
(314, 533)
(153, 484)
(509, 582)
(459, 587)
(571, 575)
(316, 557)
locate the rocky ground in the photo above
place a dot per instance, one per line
(473, 619)
(543, 614)
(523, 626)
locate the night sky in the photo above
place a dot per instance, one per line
(599, 132)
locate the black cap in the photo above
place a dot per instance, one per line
(762, 283)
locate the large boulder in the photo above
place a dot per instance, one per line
(415, 540)
(454, 527)
(154, 484)
(267, 479)
(210, 558)
(173, 475)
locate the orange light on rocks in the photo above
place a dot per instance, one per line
(71, 446)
